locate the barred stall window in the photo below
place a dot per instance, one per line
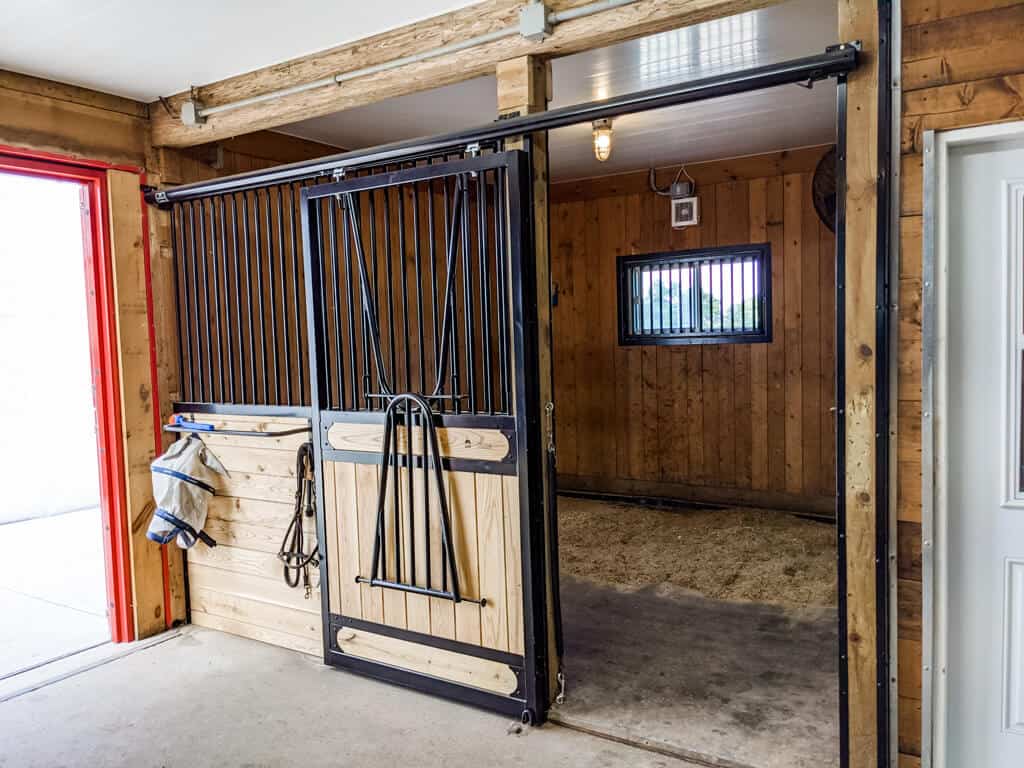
(706, 296)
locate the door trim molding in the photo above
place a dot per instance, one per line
(934, 439)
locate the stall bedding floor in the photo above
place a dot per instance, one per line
(701, 633)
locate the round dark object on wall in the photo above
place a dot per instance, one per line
(823, 189)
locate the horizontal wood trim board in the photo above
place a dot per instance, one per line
(453, 442)
(456, 667)
(644, 17)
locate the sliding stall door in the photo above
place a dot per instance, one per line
(421, 301)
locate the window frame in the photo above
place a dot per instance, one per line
(625, 264)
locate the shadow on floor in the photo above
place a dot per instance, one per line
(732, 684)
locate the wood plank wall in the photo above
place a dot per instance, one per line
(484, 514)
(238, 586)
(744, 424)
(963, 65)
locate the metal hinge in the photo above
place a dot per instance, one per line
(473, 150)
(560, 698)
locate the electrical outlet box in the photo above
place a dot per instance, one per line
(685, 212)
(533, 22)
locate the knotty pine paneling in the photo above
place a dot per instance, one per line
(736, 423)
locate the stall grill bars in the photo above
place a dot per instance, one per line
(242, 337)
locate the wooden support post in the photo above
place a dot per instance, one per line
(524, 87)
(858, 20)
(134, 364)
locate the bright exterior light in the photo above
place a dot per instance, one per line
(602, 139)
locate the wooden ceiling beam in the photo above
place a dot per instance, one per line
(644, 17)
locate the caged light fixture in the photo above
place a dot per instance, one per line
(602, 139)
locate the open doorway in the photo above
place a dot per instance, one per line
(55, 574)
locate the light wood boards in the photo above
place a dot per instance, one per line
(858, 20)
(645, 17)
(748, 424)
(238, 586)
(136, 394)
(484, 512)
(453, 442)
(457, 667)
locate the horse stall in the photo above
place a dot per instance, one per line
(536, 425)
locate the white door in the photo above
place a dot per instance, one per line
(984, 323)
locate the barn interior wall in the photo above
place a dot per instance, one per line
(962, 66)
(728, 423)
(80, 124)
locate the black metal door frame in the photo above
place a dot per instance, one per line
(529, 701)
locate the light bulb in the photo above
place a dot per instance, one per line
(602, 139)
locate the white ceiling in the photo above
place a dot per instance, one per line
(143, 50)
(781, 118)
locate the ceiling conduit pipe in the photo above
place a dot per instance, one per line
(535, 23)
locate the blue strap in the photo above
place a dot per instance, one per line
(185, 478)
(180, 526)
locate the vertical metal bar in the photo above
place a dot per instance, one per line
(334, 351)
(286, 326)
(227, 299)
(238, 298)
(410, 512)
(426, 501)
(418, 269)
(212, 221)
(501, 287)
(181, 293)
(205, 330)
(485, 288)
(449, 307)
(300, 347)
(467, 288)
(396, 496)
(358, 243)
(399, 193)
(311, 241)
(432, 250)
(276, 378)
(388, 288)
(346, 247)
(248, 294)
(721, 298)
(257, 242)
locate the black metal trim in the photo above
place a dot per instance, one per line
(840, 416)
(339, 621)
(477, 697)
(528, 449)
(883, 362)
(449, 464)
(224, 409)
(505, 424)
(833, 62)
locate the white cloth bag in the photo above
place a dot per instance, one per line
(184, 481)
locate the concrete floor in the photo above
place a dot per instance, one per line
(57, 609)
(723, 683)
(204, 698)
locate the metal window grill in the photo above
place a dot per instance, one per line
(708, 296)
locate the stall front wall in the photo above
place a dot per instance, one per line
(727, 423)
(962, 66)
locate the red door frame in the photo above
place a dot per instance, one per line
(102, 314)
